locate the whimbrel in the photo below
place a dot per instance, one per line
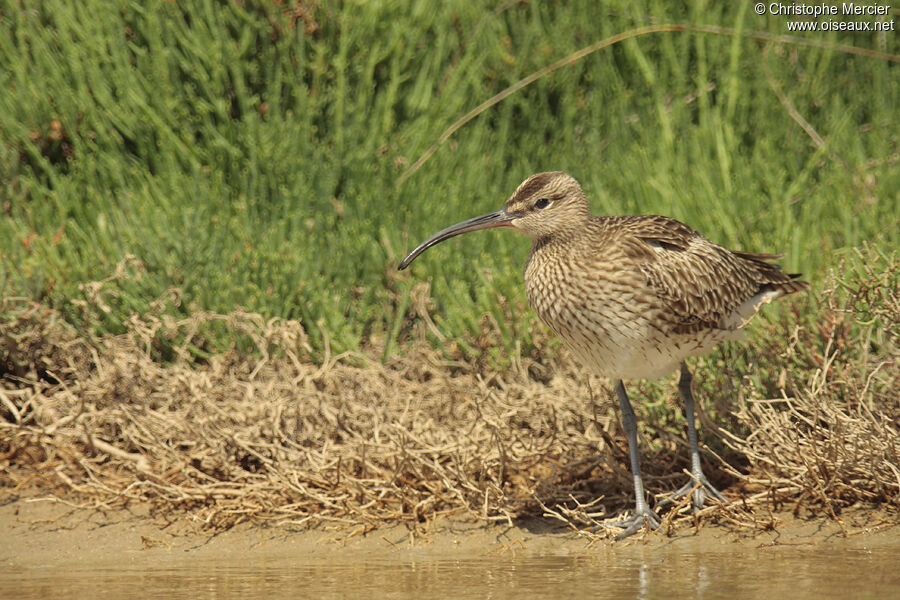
(631, 297)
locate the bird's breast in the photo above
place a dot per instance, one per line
(601, 311)
(579, 299)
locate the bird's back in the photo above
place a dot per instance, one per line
(633, 296)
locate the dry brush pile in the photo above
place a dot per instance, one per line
(267, 434)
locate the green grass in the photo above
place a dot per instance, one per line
(250, 162)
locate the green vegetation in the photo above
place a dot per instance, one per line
(247, 153)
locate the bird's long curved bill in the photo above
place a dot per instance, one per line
(499, 218)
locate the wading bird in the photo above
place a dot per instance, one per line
(631, 297)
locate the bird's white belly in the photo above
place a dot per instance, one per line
(621, 349)
(621, 338)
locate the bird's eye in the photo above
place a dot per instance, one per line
(542, 203)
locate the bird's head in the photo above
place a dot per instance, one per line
(544, 205)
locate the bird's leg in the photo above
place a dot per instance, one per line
(642, 512)
(698, 486)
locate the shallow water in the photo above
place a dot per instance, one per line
(794, 572)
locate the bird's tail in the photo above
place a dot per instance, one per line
(774, 279)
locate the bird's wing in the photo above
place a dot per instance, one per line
(702, 285)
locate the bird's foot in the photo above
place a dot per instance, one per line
(700, 490)
(642, 516)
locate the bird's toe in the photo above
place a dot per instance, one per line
(631, 525)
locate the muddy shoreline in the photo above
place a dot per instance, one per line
(42, 533)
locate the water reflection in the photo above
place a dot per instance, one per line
(785, 572)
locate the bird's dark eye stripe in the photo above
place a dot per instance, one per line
(542, 203)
